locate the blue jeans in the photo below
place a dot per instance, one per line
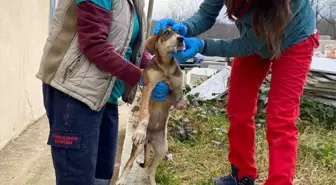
(83, 142)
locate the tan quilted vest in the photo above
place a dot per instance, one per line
(65, 68)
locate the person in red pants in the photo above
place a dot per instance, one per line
(274, 35)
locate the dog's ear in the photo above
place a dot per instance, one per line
(150, 44)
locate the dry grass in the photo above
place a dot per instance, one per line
(196, 159)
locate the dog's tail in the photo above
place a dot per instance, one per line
(146, 162)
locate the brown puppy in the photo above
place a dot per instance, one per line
(152, 128)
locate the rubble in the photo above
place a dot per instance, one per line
(321, 80)
(320, 85)
(215, 86)
(323, 65)
(199, 74)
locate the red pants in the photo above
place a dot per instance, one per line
(288, 77)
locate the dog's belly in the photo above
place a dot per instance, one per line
(158, 115)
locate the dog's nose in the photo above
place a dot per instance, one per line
(180, 39)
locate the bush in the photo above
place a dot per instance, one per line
(311, 112)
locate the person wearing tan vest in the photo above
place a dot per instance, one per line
(93, 56)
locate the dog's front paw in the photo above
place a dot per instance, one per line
(139, 137)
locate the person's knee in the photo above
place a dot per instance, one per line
(241, 107)
(282, 112)
(240, 117)
(281, 121)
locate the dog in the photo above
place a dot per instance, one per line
(152, 127)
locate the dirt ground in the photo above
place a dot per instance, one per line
(27, 159)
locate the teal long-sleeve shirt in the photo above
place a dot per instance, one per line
(300, 27)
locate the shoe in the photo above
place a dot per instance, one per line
(226, 180)
(232, 179)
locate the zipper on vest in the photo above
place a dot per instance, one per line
(71, 68)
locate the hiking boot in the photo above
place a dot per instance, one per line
(232, 179)
(226, 180)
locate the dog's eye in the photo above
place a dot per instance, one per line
(166, 33)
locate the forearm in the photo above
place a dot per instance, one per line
(204, 18)
(93, 25)
(227, 48)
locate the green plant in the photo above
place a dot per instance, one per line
(202, 152)
(262, 102)
(311, 111)
(317, 113)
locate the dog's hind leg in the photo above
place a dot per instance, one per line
(136, 150)
(146, 162)
(160, 146)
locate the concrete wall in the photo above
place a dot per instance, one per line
(24, 26)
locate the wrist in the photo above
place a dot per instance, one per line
(131, 79)
(203, 45)
(187, 28)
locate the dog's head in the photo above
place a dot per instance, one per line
(164, 42)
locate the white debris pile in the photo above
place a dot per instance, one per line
(197, 75)
(321, 80)
(214, 86)
(320, 86)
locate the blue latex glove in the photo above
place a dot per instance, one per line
(159, 92)
(192, 45)
(177, 26)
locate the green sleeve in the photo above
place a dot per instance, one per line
(243, 46)
(204, 18)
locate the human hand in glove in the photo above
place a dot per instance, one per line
(175, 25)
(159, 92)
(192, 47)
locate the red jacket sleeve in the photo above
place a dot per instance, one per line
(93, 25)
(146, 59)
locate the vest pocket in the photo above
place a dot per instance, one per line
(73, 67)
